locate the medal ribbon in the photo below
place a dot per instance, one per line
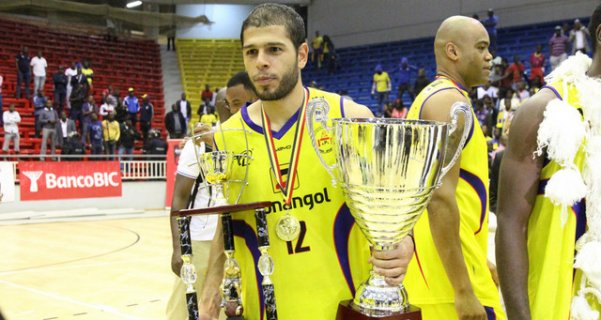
(287, 186)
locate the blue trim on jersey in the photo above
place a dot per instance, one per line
(342, 106)
(475, 182)
(554, 91)
(469, 136)
(433, 93)
(343, 224)
(243, 230)
(276, 134)
(490, 313)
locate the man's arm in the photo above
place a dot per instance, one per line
(181, 194)
(211, 294)
(444, 216)
(518, 186)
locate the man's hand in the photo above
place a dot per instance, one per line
(393, 264)
(468, 307)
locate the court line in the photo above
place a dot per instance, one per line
(84, 258)
(56, 296)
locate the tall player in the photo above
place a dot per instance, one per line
(326, 260)
(536, 239)
(450, 279)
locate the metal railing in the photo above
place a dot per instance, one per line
(131, 170)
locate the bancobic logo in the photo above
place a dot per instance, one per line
(53, 181)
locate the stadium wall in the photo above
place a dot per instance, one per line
(135, 194)
(360, 22)
(227, 20)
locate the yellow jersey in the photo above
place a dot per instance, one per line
(329, 259)
(381, 80)
(426, 280)
(551, 273)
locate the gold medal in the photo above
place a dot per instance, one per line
(287, 227)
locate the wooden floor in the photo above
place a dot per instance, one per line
(107, 269)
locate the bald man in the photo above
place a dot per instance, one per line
(449, 277)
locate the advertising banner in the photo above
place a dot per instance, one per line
(69, 180)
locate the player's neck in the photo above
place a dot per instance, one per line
(452, 75)
(595, 69)
(279, 111)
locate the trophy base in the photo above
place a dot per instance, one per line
(347, 311)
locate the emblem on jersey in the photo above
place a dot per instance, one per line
(324, 142)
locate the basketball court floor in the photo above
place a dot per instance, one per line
(85, 264)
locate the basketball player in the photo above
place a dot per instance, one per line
(187, 183)
(535, 241)
(328, 258)
(450, 278)
(239, 92)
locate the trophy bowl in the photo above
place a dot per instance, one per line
(388, 170)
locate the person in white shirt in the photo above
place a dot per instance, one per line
(579, 37)
(39, 65)
(106, 108)
(70, 73)
(487, 90)
(11, 119)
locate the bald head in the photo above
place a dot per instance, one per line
(461, 48)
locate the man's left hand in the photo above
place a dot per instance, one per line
(393, 263)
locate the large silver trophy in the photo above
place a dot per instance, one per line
(388, 170)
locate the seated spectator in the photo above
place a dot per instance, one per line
(399, 111)
(11, 119)
(64, 128)
(146, 115)
(73, 146)
(95, 138)
(537, 66)
(48, 123)
(209, 118)
(127, 139)
(522, 92)
(110, 132)
(487, 90)
(175, 123)
(155, 145)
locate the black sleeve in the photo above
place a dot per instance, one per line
(494, 180)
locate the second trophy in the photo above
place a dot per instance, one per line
(388, 170)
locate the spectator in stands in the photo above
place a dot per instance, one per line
(317, 46)
(381, 86)
(64, 128)
(111, 132)
(133, 106)
(405, 71)
(481, 112)
(203, 108)
(38, 65)
(489, 106)
(79, 81)
(106, 108)
(515, 72)
(11, 119)
(60, 88)
(207, 95)
(87, 71)
(171, 37)
(121, 113)
(421, 81)
(522, 92)
(23, 72)
(73, 146)
(87, 109)
(579, 37)
(558, 45)
(1, 80)
(175, 123)
(186, 108)
(111, 97)
(329, 54)
(70, 72)
(146, 115)
(491, 24)
(209, 118)
(399, 111)
(487, 90)
(155, 145)
(39, 103)
(127, 139)
(78, 97)
(95, 138)
(537, 67)
(48, 122)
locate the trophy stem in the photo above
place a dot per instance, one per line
(376, 298)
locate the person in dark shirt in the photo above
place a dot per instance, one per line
(127, 139)
(421, 81)
(146, 115)
(175, 123)
(60, 88)
(23, 72)
(95, 138)
(155, 145)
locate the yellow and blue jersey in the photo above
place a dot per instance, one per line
(426, 281)
(329, 259)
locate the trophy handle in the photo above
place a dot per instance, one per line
(317, 110)
(456, 109)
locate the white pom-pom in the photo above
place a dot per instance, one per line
(588, 260)
(581, 310)
(565, 187)
(574, 66)
(561, 132)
